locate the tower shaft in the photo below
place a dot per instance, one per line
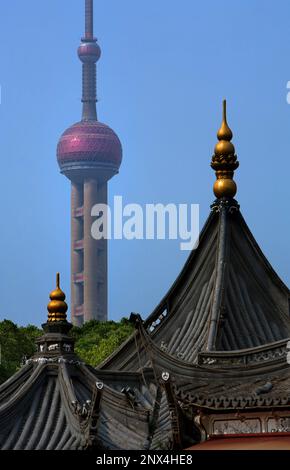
(76, 253)
(88, 256)
(89, 96)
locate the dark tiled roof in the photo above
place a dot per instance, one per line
(230, 384)
(45, 406)
(226, 298)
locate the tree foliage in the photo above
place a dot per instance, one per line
(16, 343)
(97, 340)
(93, 342)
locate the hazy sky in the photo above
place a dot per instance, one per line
(165, 68)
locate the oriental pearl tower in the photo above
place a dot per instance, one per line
(89, 153)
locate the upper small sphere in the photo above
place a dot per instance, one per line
(223, 148)
(89, 52)
(89, 144)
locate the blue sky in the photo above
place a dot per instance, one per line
(164, 70)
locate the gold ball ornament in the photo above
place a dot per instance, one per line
(224, 188)
(223, 147)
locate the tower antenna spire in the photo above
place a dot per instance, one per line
(89, 53)
(89, 25)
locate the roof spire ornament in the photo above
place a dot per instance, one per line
(224, 160)
(57, 306)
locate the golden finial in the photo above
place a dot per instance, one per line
(224, 133)
(57, 306)
(224, 160)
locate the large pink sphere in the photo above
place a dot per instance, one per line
(89, 142)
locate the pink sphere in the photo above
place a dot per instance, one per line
(89, 142)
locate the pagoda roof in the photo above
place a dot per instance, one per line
(226, 298)
(59, 404)
(56, 402)
(218, 340)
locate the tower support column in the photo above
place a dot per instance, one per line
(103, 258)
(76, 255)
(95, 251)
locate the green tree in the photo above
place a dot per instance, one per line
(16, 343)
(97, 340)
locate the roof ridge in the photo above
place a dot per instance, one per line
(221, 268)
